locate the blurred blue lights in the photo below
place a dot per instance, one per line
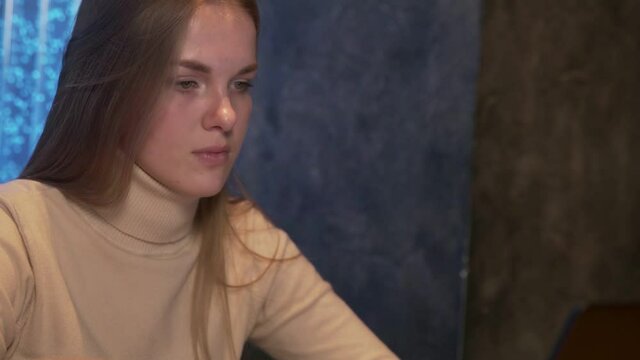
(33, 34)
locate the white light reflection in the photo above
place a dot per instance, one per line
(6, 39)
(36, 115)
(6, 57)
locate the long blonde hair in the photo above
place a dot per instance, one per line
(113, 68)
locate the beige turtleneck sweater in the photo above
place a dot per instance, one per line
(84, 283)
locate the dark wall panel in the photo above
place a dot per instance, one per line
(360, 148)
(557, 184)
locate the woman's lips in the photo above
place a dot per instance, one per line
(213, 155)
(213, 149)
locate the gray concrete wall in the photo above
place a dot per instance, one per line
(556, 194)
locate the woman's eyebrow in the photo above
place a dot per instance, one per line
(248, 69)
(195, 66)
(205, 69)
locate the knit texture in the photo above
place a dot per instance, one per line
(116, 282)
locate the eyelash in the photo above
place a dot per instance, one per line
(242, 86)
(192, 85)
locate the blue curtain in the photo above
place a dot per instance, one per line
(360, 148)
(33, 35)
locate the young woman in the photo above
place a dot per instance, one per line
(119, 240)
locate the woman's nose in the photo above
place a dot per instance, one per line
(221, 115)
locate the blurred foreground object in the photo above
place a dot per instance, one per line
(602, 332)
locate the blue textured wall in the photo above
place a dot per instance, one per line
(359, 146)
(360, 149)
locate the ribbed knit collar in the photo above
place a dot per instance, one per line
(151, 212)
(152, 220)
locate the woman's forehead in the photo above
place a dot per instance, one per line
(217, 16)
(220, 37)
(220, 30)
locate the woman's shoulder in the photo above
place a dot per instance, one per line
(22, 206)
(22, 192)
(23, 187)
(256, 233)
(247, 216)
(34, 207)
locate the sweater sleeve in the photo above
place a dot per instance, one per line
(303, 318)
(16, 282)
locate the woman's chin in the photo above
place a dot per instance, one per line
(204, 190)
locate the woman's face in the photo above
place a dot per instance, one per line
(201, 120)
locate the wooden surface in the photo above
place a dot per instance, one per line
(602, 332)
(556, 191)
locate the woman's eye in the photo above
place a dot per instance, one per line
(186, 85)
(242, 85)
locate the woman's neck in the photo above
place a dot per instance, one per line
(150, 211)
